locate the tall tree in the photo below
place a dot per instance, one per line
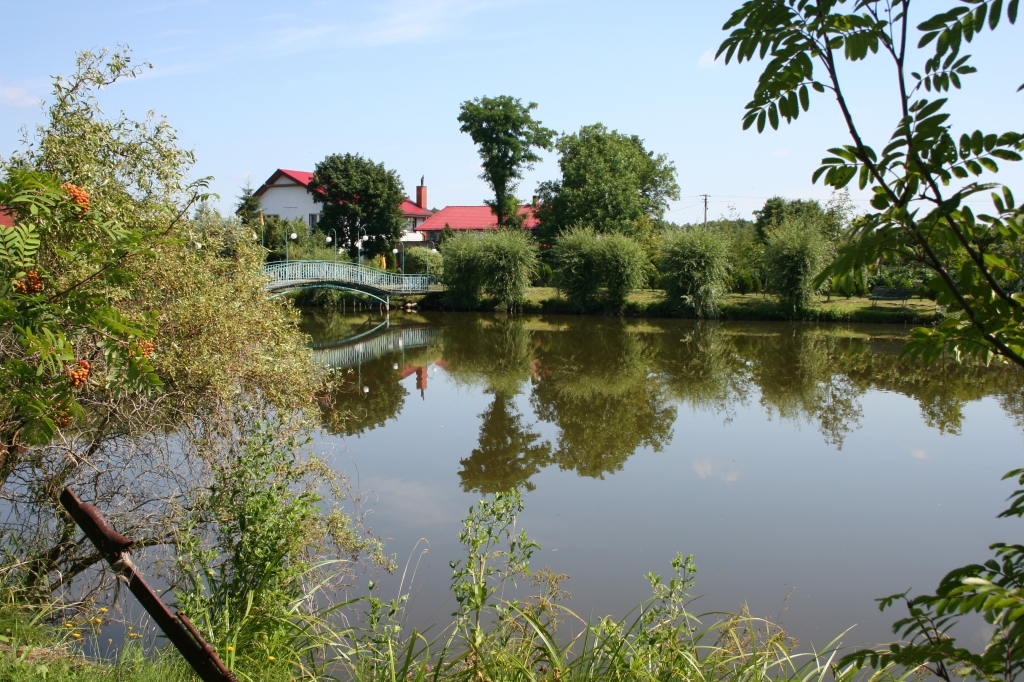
(609, 182)
(831, 219)
(248, 207)
(507, 136)
(360, 198)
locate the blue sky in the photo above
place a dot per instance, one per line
(253, 86)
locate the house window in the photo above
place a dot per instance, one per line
(314, 218)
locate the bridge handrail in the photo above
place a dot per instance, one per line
(353, 273)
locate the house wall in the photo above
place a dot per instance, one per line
(288, 201)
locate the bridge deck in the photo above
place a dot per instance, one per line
(310, 273)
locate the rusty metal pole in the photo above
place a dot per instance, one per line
(116, 548)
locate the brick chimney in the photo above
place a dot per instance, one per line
(421, 195)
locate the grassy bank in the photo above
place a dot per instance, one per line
(750, 307)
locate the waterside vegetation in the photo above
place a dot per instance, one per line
(140, 361)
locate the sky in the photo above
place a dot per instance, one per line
(258, 85)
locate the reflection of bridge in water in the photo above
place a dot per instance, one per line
(373, 344)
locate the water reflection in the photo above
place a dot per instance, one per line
(508, 453)
(611, 387)
(595, 382)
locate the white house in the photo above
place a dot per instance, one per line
(284, 196)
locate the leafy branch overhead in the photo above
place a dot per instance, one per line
(924, 175)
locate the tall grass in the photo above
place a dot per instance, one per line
(533, 639)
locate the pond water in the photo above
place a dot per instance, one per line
(805, 467)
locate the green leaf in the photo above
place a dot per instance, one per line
(805, 99)
(995, 14)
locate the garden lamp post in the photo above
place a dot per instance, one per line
(291, 238)
(329, 240)
(361, 234)
(395, 251)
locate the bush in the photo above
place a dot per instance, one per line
(509, 258)
(499, 262)
(577, 257)
(795, 254)
(417, 259)
(695, 269)
(588, 261)
(624, 266)
(463, 275)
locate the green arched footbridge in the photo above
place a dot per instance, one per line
(294, 275)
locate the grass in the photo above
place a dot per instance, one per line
(749, 307)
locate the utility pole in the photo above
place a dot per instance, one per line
(705, 210)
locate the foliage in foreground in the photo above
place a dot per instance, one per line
(492, 638)
(921, 182)
(924, 175)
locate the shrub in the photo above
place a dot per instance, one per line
(508, 260)
(499, 262)
(463, 275)
(543, 276)
(588, 261)
(695, 269)
(417, 258)
(624, 266)
(578, 261)
(795, 254)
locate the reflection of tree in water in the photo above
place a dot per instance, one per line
(701, 367)
(508, 453)
(941, 389)
(800, 375)
(494, 352)
(347, 410)
(595, 386)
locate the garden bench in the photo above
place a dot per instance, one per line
(890, 294)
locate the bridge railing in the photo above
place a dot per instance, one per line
(351, 273)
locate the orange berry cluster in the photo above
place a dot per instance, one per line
(79, 373)
(146, 348)
(78, 195)
(63, 418)
(31, 283)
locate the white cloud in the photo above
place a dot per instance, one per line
(920, 454)
(17, 97)
(707, 60)
(708, 469)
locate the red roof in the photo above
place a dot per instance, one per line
(6, 219)
(471, 218)
(409, 208)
